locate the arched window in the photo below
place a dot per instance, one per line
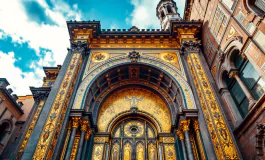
(5, 128)
(256, 6)
(251, 79)
(169, 9)
(162, 14)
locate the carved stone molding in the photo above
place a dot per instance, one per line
(190, 46)
(79, 46)
(40, 93)
(134, 56)
(260, 141)
(221, 55)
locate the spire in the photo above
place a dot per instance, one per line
(167, 11)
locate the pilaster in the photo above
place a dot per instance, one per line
(220, 134)
(45, 134)
(40, 96)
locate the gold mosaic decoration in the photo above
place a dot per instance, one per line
(140, 151)
(122, 101)
(168, 140)
(220, 135)
(128, 126)
(75, 148)
(127, 151)
(115, 152)
(98, 152)
(101, 139)
(52, 127)
(31, 127)
(99, 56)
(152, 151)
(152, 61)
(170, 153)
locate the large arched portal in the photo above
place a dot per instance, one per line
(134, 118)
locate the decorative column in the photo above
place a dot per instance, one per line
(75, 121)
(87, 136)
(66, 140)
(220, 135)
(184, 124)
(198, 138)
(235, 114)
(58, 105)
(181, 137)
(40, 95)
(84, 127)
(252, 101)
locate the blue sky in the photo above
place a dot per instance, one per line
(33, 33)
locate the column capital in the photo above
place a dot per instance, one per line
(233, 74)
(180, 134)
(79, 46)
(191, 45)
(75, 121)
(84, 125)
(196, 125)
(88, 133)
(184, 124)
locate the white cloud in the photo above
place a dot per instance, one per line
(19, 81)
(144, 14)
(15, 23)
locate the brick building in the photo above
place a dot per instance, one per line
(233, 37)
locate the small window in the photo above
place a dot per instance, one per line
(162, 14)
(219, 23)
(260, 4)
(249, 26)
(169, 10)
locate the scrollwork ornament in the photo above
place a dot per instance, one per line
(84, 125)
(196, 125)
(180, 134)
(190, 45)
(79, 46)
(88, 133)
(134, 56)
(75, 121)
(185, 125)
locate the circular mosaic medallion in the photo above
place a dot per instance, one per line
(100, 56)
(134, 129)
(168, 57)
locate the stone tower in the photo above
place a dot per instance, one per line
(167, 11)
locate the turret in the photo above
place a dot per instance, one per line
(167, 11)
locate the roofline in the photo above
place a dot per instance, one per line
(4, 79)
(11, 99)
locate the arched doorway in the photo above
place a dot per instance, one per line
(134, 138)
(134, 123)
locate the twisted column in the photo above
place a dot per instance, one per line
(199, 140)
(181, 137)
(185, 127)
(75, 125)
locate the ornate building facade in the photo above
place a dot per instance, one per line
(233, 37)
(140, 94)
(14, 111)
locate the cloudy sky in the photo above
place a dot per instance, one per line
(33, 33)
